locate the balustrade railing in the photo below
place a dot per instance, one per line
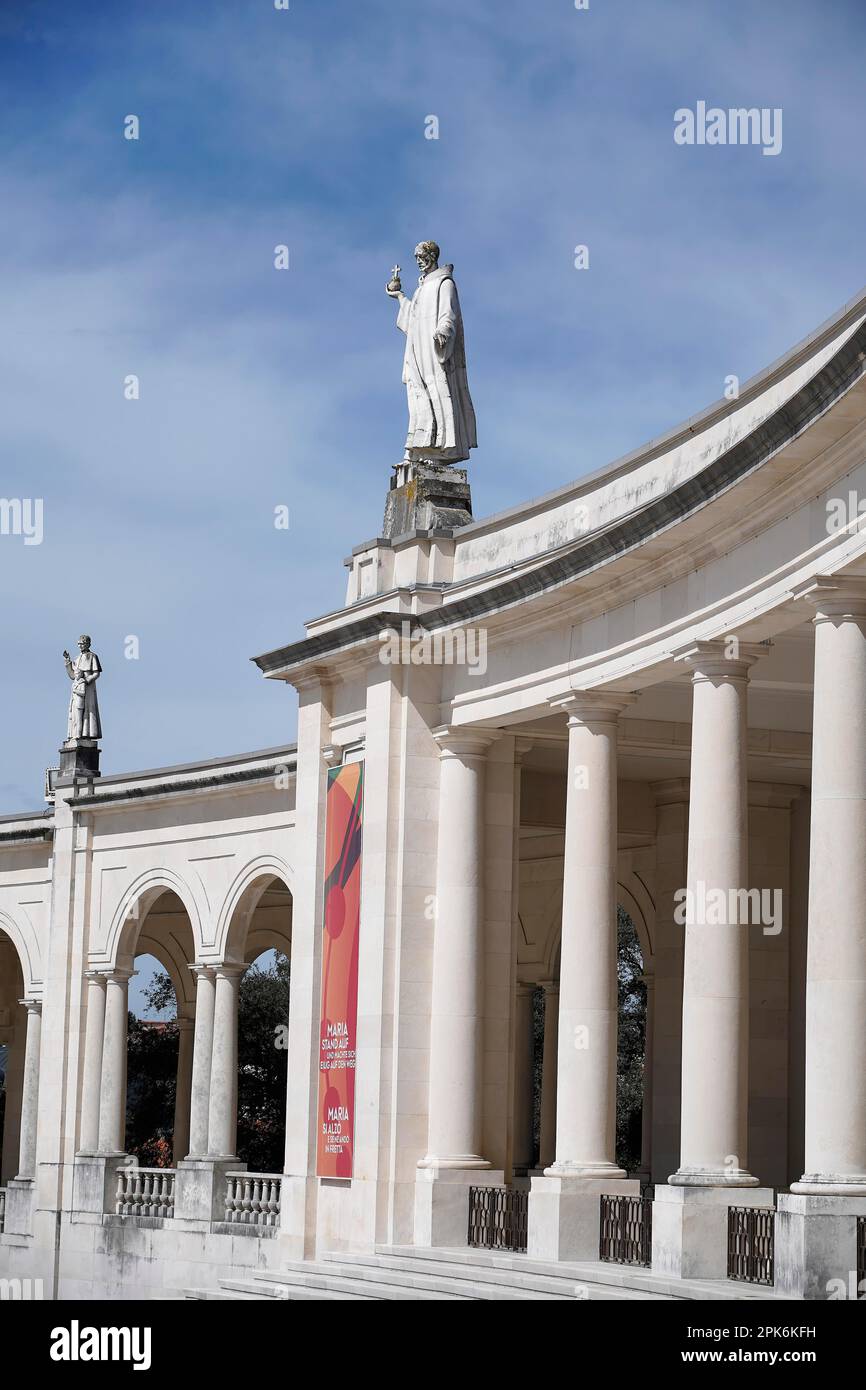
(626, 1232)
(253, 1199)
(751, 1244)
(2, 1209)
(145, 1192)
(498, 1218)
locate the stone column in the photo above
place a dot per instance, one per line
(715, 1084)
(564, 1203)
(30, 1093)
(112, 1098)
(94, 1031)
(223, 1108)
(205, 991)
(183, 1089)
(836, 951)
(690, 1213)
(454, 1138)
(547, 1146)
(586, 1079)
(816, 1225)
(454, 1159)
(524, 1062)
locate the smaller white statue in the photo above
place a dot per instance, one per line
(84, 672)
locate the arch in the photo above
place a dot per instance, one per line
(30, 962)
(136, 902)
(241, 901)
(635, 900)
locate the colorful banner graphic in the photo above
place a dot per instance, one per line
(339, 1012)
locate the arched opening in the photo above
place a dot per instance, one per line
(152, 1065)
(263, 1021)
(153, 1036)
(13, 1034)
(260, 936)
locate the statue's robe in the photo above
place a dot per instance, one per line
(441, 414)
(83, 707)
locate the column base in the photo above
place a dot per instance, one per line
(442, 1201)
(712, 1177)
(602, 1171)
(690, 1226)
(564, 1213)
(816, 1245)
(19, 1207)
(200, 1187)
(830, 1185)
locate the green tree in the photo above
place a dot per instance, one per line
(631, 1033)
(263, 1015)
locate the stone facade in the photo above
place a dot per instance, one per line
(647, 690)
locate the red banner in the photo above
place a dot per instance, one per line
(339, 1012)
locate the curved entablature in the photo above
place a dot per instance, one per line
(656, 495)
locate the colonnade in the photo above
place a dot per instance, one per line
(715, 1007)
(207, 1073)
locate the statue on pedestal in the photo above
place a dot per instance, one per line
(84, 672)
(79, 755)
(441, 414)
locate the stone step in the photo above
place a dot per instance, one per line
(477, 1280)
(429, 1280)
(313, 1275)
(631, 1279)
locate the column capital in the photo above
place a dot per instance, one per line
(198, 968)
(592, 706)
(185, 1025)
(523, 988)
(332, 754)
(119, 975)
(711, 660)
(229, 969)
(834, 596)
(549, 986)
(465, 742)
(96, 976)
(33, 1006)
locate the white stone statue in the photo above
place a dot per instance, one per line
(84, 672)
(441, 414)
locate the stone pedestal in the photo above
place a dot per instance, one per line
(426, 497)
(564, 1215)
(816, 1246)
(94, 1182)
(200, 1188)
(19, 1207)
(79, 758)
(442, 1203)
(690, 1228)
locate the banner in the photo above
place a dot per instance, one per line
(339, 1011)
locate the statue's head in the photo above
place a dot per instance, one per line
(84, 642)
(426, 256)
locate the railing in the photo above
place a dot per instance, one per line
(2, 1209)
(751, 1235)
(625, 1230)
(861, 1252)
(498, 1218)
(145, 1192)
(253, 1199)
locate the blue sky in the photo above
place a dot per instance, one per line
(261, 388)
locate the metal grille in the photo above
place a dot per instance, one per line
(498, 1218)
(626, 1234)
(751, 1233)
(861, 1253)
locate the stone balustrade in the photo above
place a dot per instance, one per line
(145, 1192)
(253, 1199)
